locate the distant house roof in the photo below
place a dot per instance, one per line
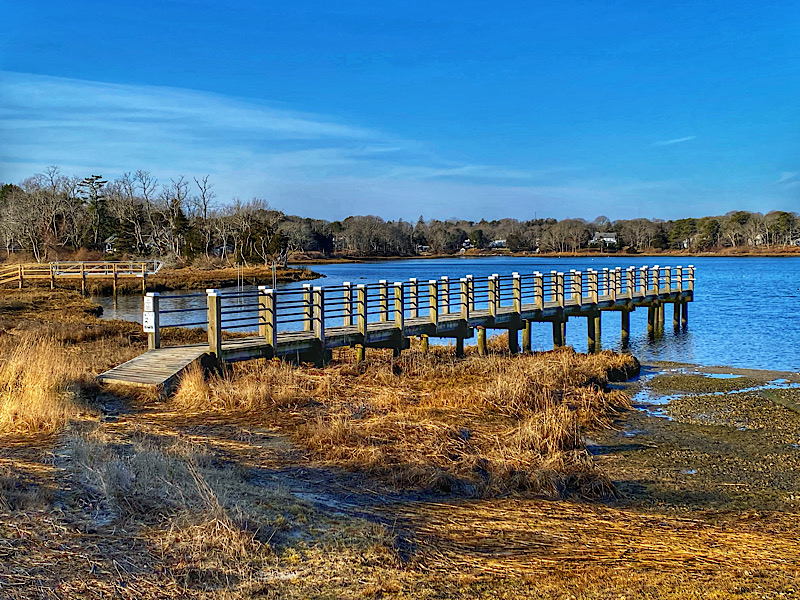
(605, 237)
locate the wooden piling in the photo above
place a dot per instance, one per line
(625, 335)
(513, 340)
(591, 334)
(558, 333)
(527, 345)
(651, 319)
(676, 316)
(482, 341)
(684, 314)
(598, 330)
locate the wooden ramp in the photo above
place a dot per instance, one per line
(156, 368)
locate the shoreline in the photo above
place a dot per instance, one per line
(377, 259)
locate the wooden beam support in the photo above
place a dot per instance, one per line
(482, 341)
(527, 345)
(625, 317)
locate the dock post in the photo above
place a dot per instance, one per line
(691, 279)
(538, 290)
(383, 300)
(630, 281)
(144, 277)
(465, 302)
(591, 334)
(644, 281)
(516, 284)
(494, 294)
(52, 277)
(361, 308)
(676, 315)
(598, 330)
(20, 275)
(668, 279)
(527, 345)
(482, 341)
(308, 307)
(349, 316)
(413, 298)
(399, 316)
(656, 279)
(433, 309)
(559, 329)
(471, 284)
(606, 286)
(445, 295)
(612, 284)
(114, 272)
(151, 308)
(513, 340)
(679, 278)
(576, 295)
(464, 305)
(267, 322)
(661, 311)
(684, 314)
(594, 287)
(318, 313)
(560, 289)
(626, 327)
(215, 323)
(651, 320)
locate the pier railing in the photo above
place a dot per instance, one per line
(312, 310)
(52, 271)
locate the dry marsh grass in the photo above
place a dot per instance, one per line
(41, 386)
(482, 426)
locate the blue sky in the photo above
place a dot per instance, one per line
(447, 109)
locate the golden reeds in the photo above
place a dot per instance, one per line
(478, 426)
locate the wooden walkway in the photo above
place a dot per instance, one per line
(306, 324)
(54, 271)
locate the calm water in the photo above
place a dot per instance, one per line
(742, 315)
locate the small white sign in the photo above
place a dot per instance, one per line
(149, 322)
(148, 304)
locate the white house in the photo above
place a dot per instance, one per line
(606, 239)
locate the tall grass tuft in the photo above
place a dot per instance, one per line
(41, 383)
(480, 426)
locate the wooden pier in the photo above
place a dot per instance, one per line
(306, 324)
(55, 271)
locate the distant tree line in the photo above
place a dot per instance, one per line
(51, 214)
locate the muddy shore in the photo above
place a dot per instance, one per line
(703, 439)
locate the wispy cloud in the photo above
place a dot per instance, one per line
(680, 140)
(789, 177)
(308, 164)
